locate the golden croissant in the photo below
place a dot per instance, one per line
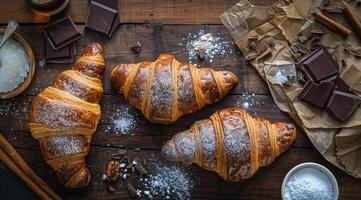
(231, 143)
(166, 89)
(64, 116)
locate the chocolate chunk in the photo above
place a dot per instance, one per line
(62, 33)
(63, 55)
(136, 47)
(102, 18)
(342, 86)
(342, 105)
(320, 65)
(261, 46)
(317, 94)
(113, 4)
(201, 54)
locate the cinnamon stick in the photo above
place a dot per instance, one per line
(352, 18)
(330, 23)
(18, 163)
(7, 160)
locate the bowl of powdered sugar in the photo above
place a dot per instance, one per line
(309, 181)
(17, 65)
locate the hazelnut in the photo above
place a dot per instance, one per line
(113, 171)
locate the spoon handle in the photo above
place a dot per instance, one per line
(10, 29)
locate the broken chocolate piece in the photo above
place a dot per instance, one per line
(136, 47)
(317, 94)
(63, 55)
(260, 47)
(62, 33)
(201, 54)
(320, 65)
(102, 18)
(342, 105)
(342, 86)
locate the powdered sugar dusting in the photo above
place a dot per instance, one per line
(124, 122)
(213, 44)
(15, 106)
(69, 145)
(168, 181)
(186, 145)
(249, 102)
(161, 95)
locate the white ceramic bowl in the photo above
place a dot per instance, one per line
(319, 167)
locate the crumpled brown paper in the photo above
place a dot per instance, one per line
(281, 21)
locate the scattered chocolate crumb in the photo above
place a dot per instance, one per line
(317, 31)
(111, 188)
(261, 46)
(132, 191)
(139, 167)
(112, 171)
(136, 47)
(302, 39)
(201, 55)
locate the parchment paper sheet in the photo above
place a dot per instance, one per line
(281, 22)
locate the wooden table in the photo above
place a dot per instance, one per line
(160, 26)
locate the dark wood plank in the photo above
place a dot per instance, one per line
(155, 40)
(139, 11)
(144, 134)
(265, 184)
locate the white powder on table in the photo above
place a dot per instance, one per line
(124, 122)
(168, 181)
(14, 65)
(308, 184)
(213, 44)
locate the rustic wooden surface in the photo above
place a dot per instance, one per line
(160, 26)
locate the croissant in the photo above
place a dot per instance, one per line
(166, 89)
(230, 143)
(64, 116)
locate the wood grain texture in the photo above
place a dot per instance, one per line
(132, 11)
(149, 137)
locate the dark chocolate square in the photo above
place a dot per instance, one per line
(62, 33)
(342, 86)
(113, 4)
(320, 65)
(63, 55)
(342, 105)
(317, 94)
(101, 18)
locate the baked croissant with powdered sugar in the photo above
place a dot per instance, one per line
(166, 89)
(231, 143)
(64, 116)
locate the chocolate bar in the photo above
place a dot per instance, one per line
(342, 105)
(317, 94)
(63, 55)
(103, 16)
(62, 33)
(320, 65)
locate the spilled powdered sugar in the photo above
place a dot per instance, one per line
(15, 106)
(167, 181)
(249, 102)
(124, 122)
(213, 44)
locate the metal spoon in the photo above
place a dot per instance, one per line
(10, 29)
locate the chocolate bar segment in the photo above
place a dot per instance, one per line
(63, 55)
(62, 33)
(342, 105)
(317, 94)
(103, 16)
(320, 65)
